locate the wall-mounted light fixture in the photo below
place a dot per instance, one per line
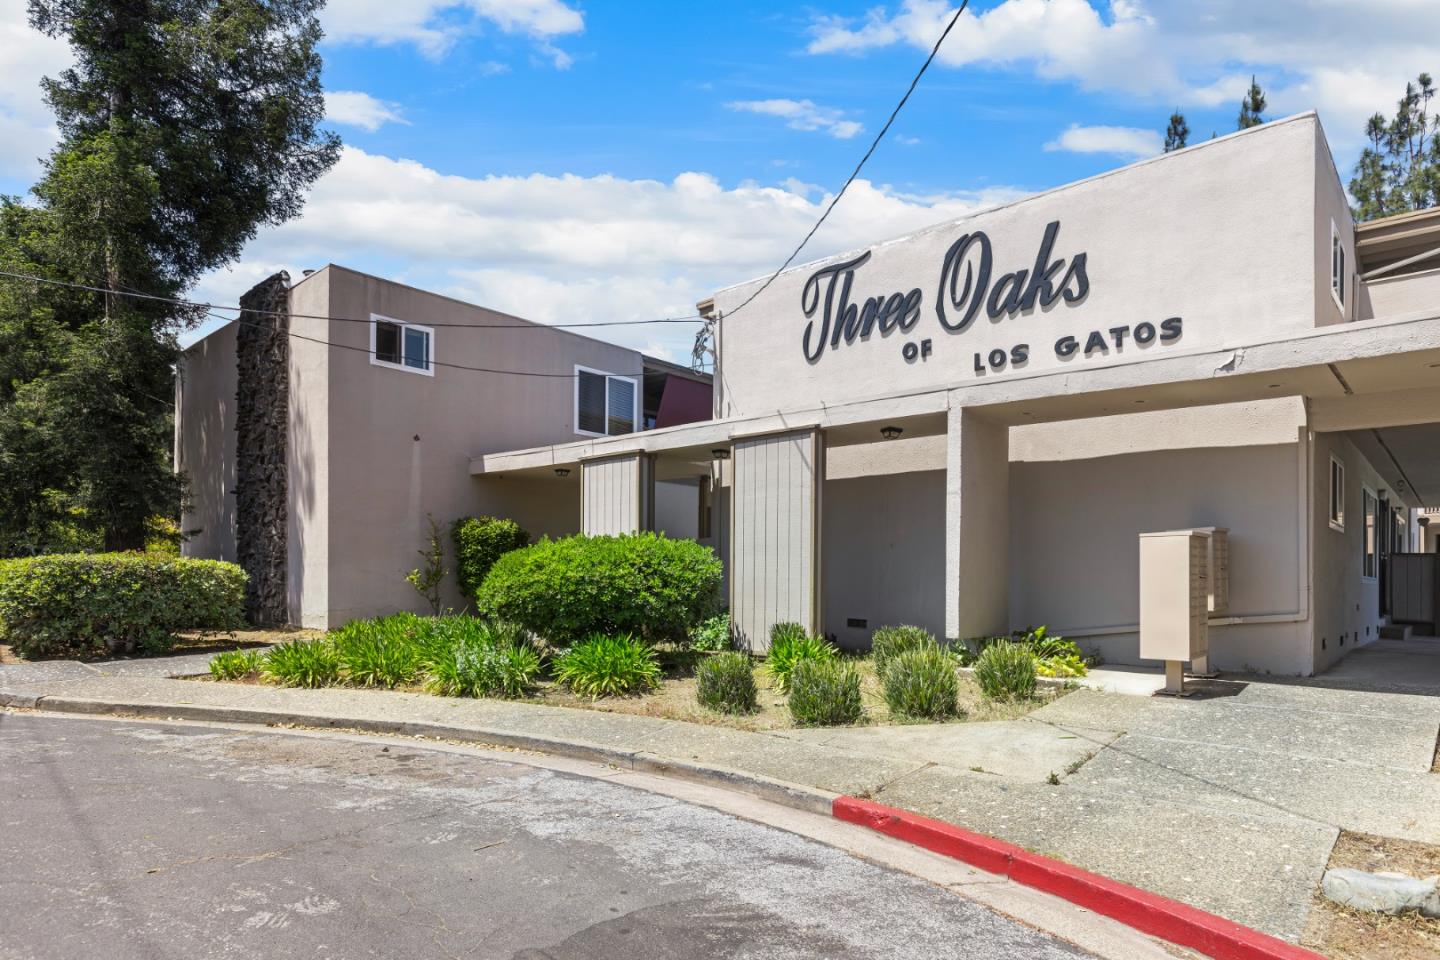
(721, 453)
(891, 433)
(562, 472)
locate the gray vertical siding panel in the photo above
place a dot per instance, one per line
(772, 554)
(610, 492)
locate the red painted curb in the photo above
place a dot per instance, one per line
(1148, 912)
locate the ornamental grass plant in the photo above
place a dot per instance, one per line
(605, 666)
(726, 683)
(921, 684)
(825, 693)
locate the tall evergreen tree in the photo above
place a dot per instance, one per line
(185, 125)
(1399, 170)
(1251, 106)
(1177, 133)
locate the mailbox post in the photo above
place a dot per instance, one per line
(1175, 599)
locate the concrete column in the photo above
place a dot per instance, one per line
(775, 534)
(977, 526)
(616, 494)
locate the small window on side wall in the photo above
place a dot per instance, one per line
(1369, 536)
(606, 405)
(1339, 274)
(1337, 494)
(401, 346)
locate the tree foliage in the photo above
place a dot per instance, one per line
(1400, 168)
(1252, 105)
(1177, 132)
(185, 125)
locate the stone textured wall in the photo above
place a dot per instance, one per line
(262, 352)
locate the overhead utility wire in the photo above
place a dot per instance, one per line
(196, 305)
(856, 172)
(433, 363)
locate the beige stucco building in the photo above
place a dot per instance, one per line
(1204, 339)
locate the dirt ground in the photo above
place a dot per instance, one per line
(1346, 934)
(195, 642)
(675, 700)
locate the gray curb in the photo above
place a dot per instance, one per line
(780, 792)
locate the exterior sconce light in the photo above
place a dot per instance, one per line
(891, 433)
(562, 472)
(720, 453)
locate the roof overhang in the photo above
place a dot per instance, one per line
(1339, 369)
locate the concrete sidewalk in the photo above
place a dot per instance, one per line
(1230, 802)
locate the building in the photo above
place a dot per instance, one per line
(321, 429)
(969, 427)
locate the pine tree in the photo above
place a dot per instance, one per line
(1399, 169)
(1177, 133)
(1252, 106)
(184, 126)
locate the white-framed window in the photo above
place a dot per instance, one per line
(606, 404)
(1339, 274)
(1370, 535)
(402, 346)
(1337, 494)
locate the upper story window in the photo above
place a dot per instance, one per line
(403, 346)
(1339, 275)
(1337, 494)
(606, 405)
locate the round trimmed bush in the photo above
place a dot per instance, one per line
(642, 584)
(788, 648)
(86, 604)
(608, 667)
(726, 682)
(1005, 671)
(887, 643)
(920, 684)
(825, 693)
(479, 542)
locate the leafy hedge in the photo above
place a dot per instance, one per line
(479, 542)
(80, 604)
(570, 589)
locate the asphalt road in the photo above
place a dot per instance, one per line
(149, 840)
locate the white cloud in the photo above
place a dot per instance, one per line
(434, 25)
(565, 247)
(802, 115)
(1121, 141)
(27, 128)
(1345, 59)
(356, 109)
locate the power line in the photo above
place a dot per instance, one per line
(856, 172)
(196, 305)
(431, 363)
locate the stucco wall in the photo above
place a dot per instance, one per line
(883, 544)
(399, 443)
(1221, 235)
(677, 509)
(308, 453)
(205, 444)
(1332, 206)
(1346, 605)
(1390, 296)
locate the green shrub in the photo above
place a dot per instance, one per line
(920, 684)
(235, 664)
(80, 604)
(641, 584)
(889, 642)
(1054, 656)
(789, 647)
(1005, 671)
(479, 542)
(608, 667)
(383, 652)
(712, 635)
(726, 682)
(482, 660)
(825, 693)
(302, 663)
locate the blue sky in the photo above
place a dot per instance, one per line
(618, 160)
